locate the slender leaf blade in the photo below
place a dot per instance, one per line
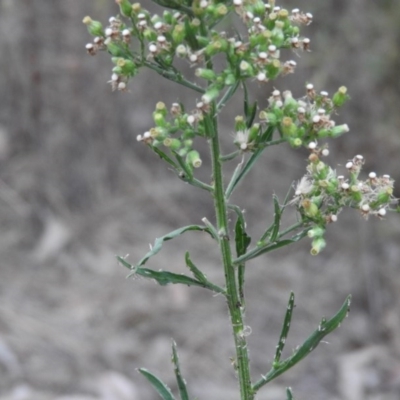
(162, 389)
(289, 394)
(179, 379)
(285, 328)
(171, 235)
(324, 328)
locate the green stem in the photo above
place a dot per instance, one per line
(235, 307)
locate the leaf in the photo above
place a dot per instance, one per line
(289, 394)
(162, 389)
(185, 167)
(171, 235)
(201, 277)
(265, 248)
(242, 239)
(165, 157)
(250, 163)
(181, 382)
(285, 328)
(325, 327)
(249, 110)
(195, 271)
(166, 277)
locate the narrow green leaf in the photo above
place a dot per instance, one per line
(242, 239)
(249, 164)
(325, 327)
(160, 241)
(285, 328)
(249, 110)
(277, 219)
(289, 394)
(262, 249)
(165, 157)
(233, 182)
(201, 277)
(162, 389)
(185, 168)
(181, 382)
(165, 277)
(194, 270)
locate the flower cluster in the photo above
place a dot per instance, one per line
(161, 38)
(321, 194)
(307, 119)
(176, 131)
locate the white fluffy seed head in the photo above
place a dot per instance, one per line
(237, 2)
(301, 110)
(325, 152)
(359, 157)
(333, 218)
(365, 207)
(126, 32)
(345, 186)
(261, 77)
(312, 145)
(316, 119)
(349, 165)
(121, 86)
(147, 135)
(271, 48)
(382, 212)
(263, 55)
(276, 93)
(372, 175)
(108, 32)
(324, 93)
(310, 86)
(153, 48)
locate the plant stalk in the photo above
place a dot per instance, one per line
(236, 309)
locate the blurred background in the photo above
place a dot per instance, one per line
(76, 189)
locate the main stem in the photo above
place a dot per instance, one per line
(235, 307)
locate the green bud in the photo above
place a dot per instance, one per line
(115, 49)
(125, 7)
(340, 97)
(310, 208)
(161, 108)
(220, 10)
(253, 132)
(317, 244)
(159, 118)
(240, 124)
(295, 142)
(211, 94)
(229, 80)
(188, 143)
(173, 144)
(337, 131)
(217, 46)
(193, 159)
(127, 67)
(355, 194)
(259, 8)
(168, 18)
(150, 35)
(178, 33)
(188, 134)
(316, 232)
(95, 28)
(207, 74)
(273, 69)
(288, 127)
(246, 69)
